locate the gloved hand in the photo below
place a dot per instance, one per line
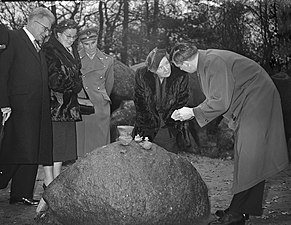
(182, 114)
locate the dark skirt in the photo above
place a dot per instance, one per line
(166, 139)
(64, 141)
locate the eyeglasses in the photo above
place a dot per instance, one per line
(46, 29)
(70, 37)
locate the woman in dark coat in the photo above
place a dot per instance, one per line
(160, 89)
(65, 82)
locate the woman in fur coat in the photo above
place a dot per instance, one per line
(160, 89)
(65, 82)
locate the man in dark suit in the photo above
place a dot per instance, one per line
(24, 103)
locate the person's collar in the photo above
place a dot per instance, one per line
(91, 56)
(31, 37)
(201, 61)
(83, 53)
(195, 60)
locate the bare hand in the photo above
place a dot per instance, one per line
(182, 114)
(6, 112)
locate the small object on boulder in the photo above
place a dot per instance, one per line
(146, 144)
(125, 140)
(137, 138)
(136, 187)
(125, 134)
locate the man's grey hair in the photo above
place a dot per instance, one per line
(40, 13)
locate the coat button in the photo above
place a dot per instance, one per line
(86, 87)
(101, 77)
(98, 88)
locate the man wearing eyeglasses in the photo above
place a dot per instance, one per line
(24, 103)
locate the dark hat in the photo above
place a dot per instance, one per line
(88, 34)
(154, 58)
(65, 24)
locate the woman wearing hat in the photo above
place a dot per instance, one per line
(65, 82)
(98, 78)
(160, 89)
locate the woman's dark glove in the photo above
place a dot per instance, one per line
(183, 136)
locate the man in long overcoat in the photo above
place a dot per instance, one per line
(241, 90)
(98, 79)
(24, 103)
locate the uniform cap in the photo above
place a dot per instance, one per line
(88, 34)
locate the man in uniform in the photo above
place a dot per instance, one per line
(98, 79)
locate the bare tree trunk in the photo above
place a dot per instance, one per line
(124, 55)
(147, 19)
(155, 22)
(101, 24)
(54, 11)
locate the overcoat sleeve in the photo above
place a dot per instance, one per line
(109, 77)
(6, 59)
(218, 86)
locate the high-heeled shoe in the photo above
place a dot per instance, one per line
(221, 213)
(229, 218)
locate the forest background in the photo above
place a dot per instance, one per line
(129, 29)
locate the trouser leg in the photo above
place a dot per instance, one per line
(23, 181)
(249, 201)
(7, 171)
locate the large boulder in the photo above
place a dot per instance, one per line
(123, 88)
(129, 185)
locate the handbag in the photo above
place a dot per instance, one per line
(86, 106)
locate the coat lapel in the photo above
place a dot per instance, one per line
(29, 44)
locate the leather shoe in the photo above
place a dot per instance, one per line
(229, 219)
(24, 201)
(221, 213)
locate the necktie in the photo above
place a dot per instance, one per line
(36, 46)
(69, 49)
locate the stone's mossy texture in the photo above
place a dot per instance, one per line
(128, 185)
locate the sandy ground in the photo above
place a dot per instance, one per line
(216, 173)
